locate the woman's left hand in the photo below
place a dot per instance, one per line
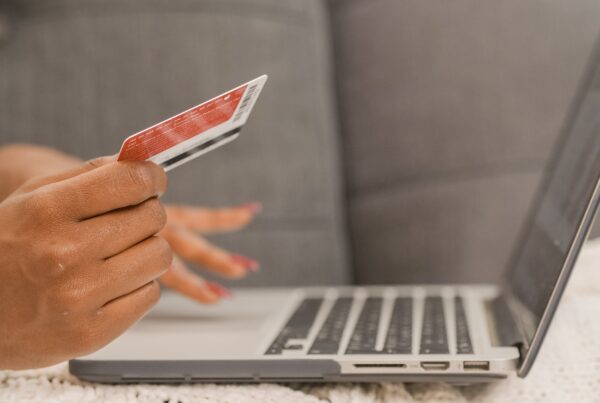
(185, 224)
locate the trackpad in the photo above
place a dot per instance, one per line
(180, 329)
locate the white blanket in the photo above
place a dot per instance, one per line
(567, 370)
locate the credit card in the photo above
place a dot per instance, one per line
(195, 131)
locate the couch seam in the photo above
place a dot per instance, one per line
(469, 174)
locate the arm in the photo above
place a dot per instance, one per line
(21, 162)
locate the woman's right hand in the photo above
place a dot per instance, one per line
(79, 259)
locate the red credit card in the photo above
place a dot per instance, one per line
(196, 131)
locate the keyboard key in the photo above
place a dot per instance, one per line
(329, 337)
(298, 326)
(399, 336)
(433, 334)
(463, 340)
(364, 337)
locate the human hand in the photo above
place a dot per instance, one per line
(184, 224)
(79, 259)
(183, 229)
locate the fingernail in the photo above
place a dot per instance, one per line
(207, 294)
(219, 289)
(249, 264)
(253, 208)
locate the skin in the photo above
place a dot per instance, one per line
(83, 246)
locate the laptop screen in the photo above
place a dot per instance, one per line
(562, 206)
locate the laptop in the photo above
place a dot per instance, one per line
(452, 333)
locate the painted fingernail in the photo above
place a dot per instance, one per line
(208, 293)
(253, 208)
(219, 289)
(249, 264)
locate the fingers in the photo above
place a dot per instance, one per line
(108, 187)
(181, 279)
(213, 220)
(130, 270)
(114, 232)
(196, 249)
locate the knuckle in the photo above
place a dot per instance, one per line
(155, 212)
(68, 298)
(163, 251)
(140, 177)
(152, 293)
(98, 162)
(41, 204)
(156, 256)
(61, 255)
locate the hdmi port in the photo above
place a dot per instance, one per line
(435, 365)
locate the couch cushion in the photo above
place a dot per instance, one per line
(82, 75)
(448, 111)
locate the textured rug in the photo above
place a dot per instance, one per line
(567, 370)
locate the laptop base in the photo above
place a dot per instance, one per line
(285, 335)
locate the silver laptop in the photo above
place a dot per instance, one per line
(454, 333)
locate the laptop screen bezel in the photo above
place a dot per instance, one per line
(530, 351)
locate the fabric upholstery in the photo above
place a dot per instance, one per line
(448, 112)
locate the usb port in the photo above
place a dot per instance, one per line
(435, 365)
(476, 365)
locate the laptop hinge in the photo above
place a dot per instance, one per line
(509, 328)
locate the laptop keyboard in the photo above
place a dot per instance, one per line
(399, 336)
(330, 336)
(463, 340)
(364, 335)
(297, 327)
(433, 333)
(364, 338)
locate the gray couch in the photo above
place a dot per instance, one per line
(396, 141)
